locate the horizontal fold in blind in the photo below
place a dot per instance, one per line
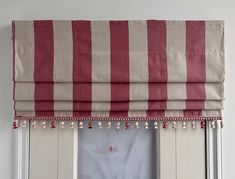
(113, 70)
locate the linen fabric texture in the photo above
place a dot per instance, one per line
(148, 69)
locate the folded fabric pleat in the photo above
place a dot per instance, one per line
(137, 91)
(119, 106)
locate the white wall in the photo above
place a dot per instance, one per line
(110, 9)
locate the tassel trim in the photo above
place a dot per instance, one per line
(127, 125)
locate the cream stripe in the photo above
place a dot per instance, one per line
(214, 91)
(176, 91)
(214, 51)
(211, 113)
(180, 90)
(100, 51)
(174, 113)
(63, 113)
(138, 51)
(63, 91)
(25, 113)
(214, 58)
(213, 105)
(63, 50)
(138, 91)
(138, 59)
(100, 114)
(100, 60)
(63, 58)
(24, 91)
(24, 51)
(171, 105)
(24, 58)
(137, 114)
(176, 60)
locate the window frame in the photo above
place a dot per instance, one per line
(21, 149)
(214, 151)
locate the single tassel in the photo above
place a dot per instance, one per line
(155, 125)
(109, 125)
(118, 125)
(137, 125)
(174, 125)
(212, 124)
(146, 125)
(72, 125)
(202, 124)
(165, 125)
(14, 125)
(24, 123)
(128, 125)
(222, 124)
(43, 124)
(53, 125)
(184, 125)
(100, 125)
(193, 124)
(80, 125)
(34, 124)
(90, 125)
(61, 125)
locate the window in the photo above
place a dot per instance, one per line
(180, 153)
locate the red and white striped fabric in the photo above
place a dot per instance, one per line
(112, 70)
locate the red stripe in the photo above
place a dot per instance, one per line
(120, 92)
(157, 105)
(192, 113)
(82, 59)
(196, 91)
(119, 42)
(43, 62)
(195, 51)
(82, 92)
(160, 113)
(157, 60)
(118, 114)
(195, 60)
(194, 105)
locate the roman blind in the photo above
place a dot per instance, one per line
(143, 70)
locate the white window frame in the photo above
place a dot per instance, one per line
(213, 152)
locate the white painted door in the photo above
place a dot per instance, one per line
(51, 153)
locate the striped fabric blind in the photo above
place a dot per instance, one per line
(118, 70)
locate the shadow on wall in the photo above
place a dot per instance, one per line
(6, 102)
(6, 92)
